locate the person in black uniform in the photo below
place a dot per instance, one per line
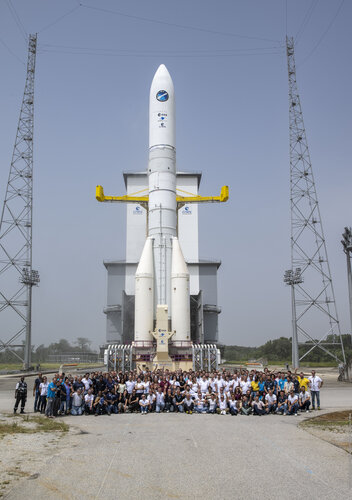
(20, 395)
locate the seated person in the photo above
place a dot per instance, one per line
(199, 403)
(144, 405)
(122, 403)
(281, 403)
(100, 405)
(258, 406)
(246, 408)
(292, 403)
(151, 399)
(212, 404)
(133, 402)
(77, 402)
(222, 405)
(178, 401)
(88, 402)
(188, 403)
(304, 400)
(233, 405)
(270, 402)
(169, 401)
(160, 401)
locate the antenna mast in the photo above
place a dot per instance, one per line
(16, 274)
(314, 314)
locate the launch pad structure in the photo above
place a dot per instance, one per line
(162, 299)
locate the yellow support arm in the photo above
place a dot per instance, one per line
(224, 196)
(100, 196)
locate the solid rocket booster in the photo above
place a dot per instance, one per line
(144, 294)
(165, 276)
(180, 297)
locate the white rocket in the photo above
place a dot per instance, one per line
(162, 277)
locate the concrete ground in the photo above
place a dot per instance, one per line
(182, 456)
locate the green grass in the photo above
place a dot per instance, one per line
(42, 424)
(329, 420)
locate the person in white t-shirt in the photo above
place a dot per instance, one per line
(204, 384)
(304, 400)
(233, 405)
(43, 390)
(270, 402)
(222, 405)
(292, 403)
(139, 387)
(144, 405)
(212, 404)
(130, 385)
(199, 403)
(315, 384)
(88, 402)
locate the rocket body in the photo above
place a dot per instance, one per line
(162, 222)
(162, 180)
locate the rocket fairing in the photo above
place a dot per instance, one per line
(165, 276)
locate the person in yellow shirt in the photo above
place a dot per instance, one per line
(303, 381)
(255, 386)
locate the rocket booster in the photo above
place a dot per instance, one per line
(169, 267)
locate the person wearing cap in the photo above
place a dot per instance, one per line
(20, 395)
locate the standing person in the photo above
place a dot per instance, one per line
(36, 391)
(50, 399)
(20, 395)
(57, 399)
(315, 383)
(43, 388)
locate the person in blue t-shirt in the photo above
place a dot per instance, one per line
(52, 388)
(281, 382)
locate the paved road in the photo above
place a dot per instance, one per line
(191, 456)
(198, 456)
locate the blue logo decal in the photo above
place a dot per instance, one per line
(162, 96)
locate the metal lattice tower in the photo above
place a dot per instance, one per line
(314, 314)
(16, 274)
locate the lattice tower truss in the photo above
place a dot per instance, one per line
(315, 314)
(16, 274)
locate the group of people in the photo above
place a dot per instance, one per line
(223, 392)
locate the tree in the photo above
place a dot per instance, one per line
(83, 343)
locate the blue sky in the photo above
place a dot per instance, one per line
(95, 64)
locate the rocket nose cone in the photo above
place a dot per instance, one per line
(162, 76)
(162, 71)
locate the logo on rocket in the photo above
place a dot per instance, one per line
(162, 96)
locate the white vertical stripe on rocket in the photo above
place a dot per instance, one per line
(144, 294)
(180, 295)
